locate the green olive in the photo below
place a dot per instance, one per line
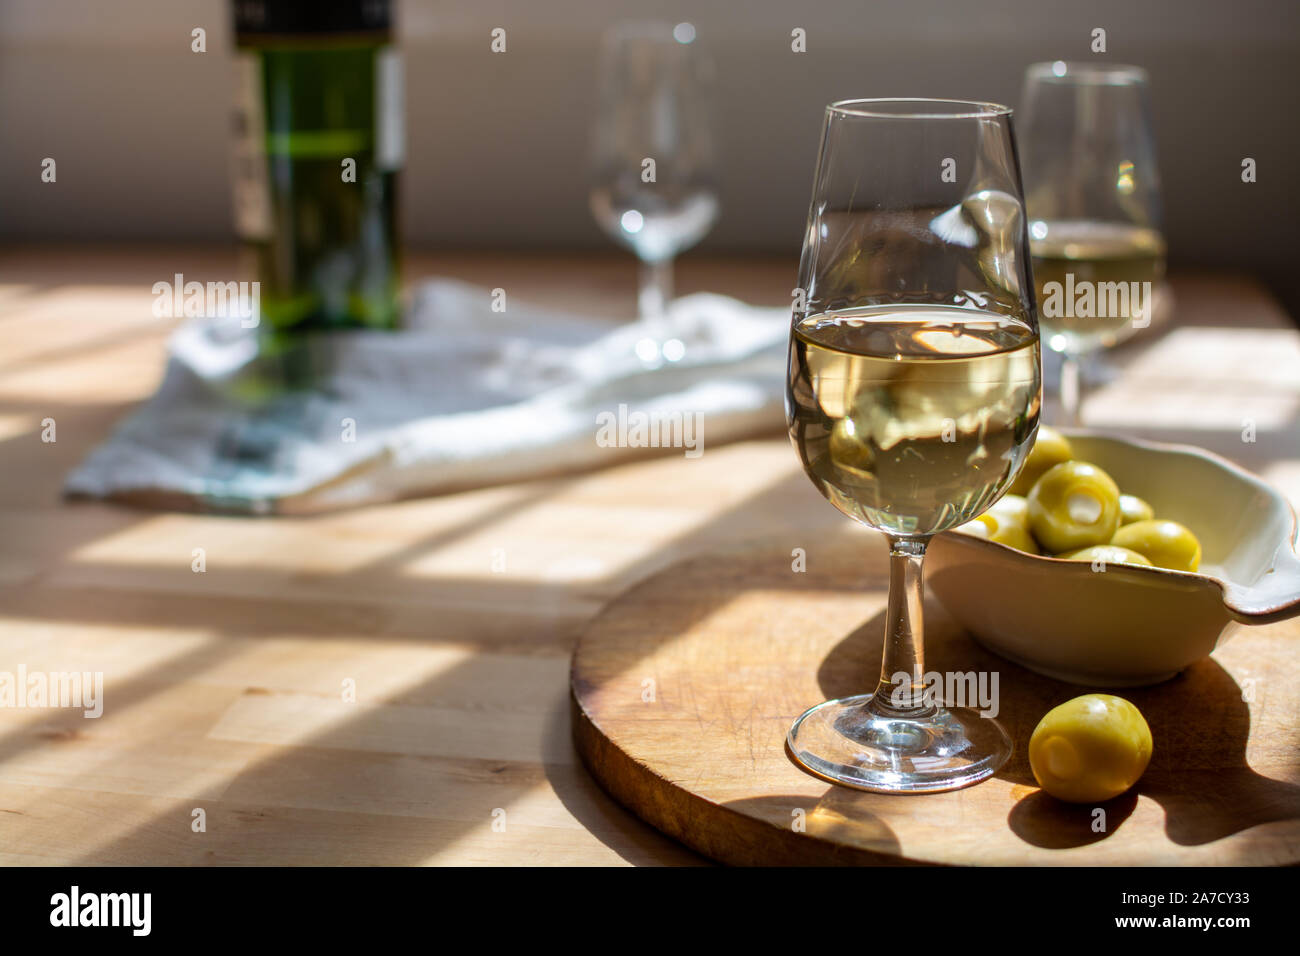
(1090, 749)
(1106, 554)
(1074, 505)
(1003, 530)
(1015, 535)
(1011, 508)
(1166, 544)
(1132, 508)
(981, 527)
(1050, 448)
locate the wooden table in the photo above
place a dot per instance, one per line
(225, 691)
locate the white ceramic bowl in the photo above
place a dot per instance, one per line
(1130, 626)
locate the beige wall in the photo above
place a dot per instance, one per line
(497, 143)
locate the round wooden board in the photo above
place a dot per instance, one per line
(684, 687)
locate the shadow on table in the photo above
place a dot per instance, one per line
(319, 812)
(313, 787)
(1199, 722)
(846, 832)
(326, 800)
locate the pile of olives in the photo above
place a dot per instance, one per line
(1072, 509)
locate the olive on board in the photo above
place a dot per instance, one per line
(1090, 749)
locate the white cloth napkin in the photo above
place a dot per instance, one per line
(463, 396)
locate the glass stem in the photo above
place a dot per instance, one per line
(900, 692)
(1071, 391)
(655, 293)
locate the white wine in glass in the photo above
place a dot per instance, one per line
(913, 394)
(1093, 197)
(913, 420)
(1124, 266)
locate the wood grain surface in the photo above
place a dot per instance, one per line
(684, 689)
(223, 690)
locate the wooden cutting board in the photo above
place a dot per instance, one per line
(684, 687)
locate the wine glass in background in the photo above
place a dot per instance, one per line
(913, 395)
(1093, 194)
(652, 161)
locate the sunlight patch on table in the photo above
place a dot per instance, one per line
(13, 426)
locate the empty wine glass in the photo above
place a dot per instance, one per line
(1093, 194)
(652, 161)
(913, 395)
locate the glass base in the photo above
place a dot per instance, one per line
(845, 741)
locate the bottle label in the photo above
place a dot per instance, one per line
(390, 110)
(251, 187)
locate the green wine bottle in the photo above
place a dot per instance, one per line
(319, 142)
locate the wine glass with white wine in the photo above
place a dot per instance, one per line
(1093, 194)
(913, 395)
(653, 184)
